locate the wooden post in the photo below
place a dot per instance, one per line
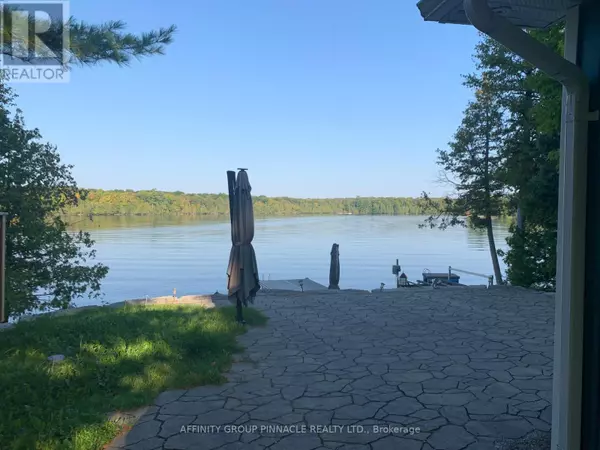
(3, 317)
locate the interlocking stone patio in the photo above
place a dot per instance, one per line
(451, 369)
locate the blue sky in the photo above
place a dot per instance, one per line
(317, 98)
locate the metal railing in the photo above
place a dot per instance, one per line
(490, 278)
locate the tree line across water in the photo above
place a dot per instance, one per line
(98, 202)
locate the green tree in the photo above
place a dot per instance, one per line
(47, 266)
(532, 104)
(92, 44)
(472, 166)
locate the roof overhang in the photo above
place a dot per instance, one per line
(523, 13)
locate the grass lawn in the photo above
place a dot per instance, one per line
(116, 359)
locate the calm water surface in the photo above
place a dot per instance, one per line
(149, 256)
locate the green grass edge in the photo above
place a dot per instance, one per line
(116, 359)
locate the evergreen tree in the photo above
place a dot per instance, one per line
(92, 44)
(472, 166)
(532, 104)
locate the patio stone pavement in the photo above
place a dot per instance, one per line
(445, 369)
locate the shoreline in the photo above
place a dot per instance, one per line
(218, 300)
(263, 216)
(206, 301)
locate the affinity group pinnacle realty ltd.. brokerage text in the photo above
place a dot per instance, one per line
(301, 429)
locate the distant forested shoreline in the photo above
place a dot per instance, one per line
(100, 202)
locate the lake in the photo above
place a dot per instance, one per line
(152, 256)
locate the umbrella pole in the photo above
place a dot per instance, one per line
(238, 308)
(231, 187)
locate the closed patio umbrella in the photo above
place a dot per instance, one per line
(334, 267)
(242, 272)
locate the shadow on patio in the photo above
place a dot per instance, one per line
(437, 369)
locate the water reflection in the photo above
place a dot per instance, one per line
(153, 255)
(110, 222)
(478, 239)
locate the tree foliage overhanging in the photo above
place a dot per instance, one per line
(90, 44)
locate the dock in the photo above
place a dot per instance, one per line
(298, 285)
(428, 277)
